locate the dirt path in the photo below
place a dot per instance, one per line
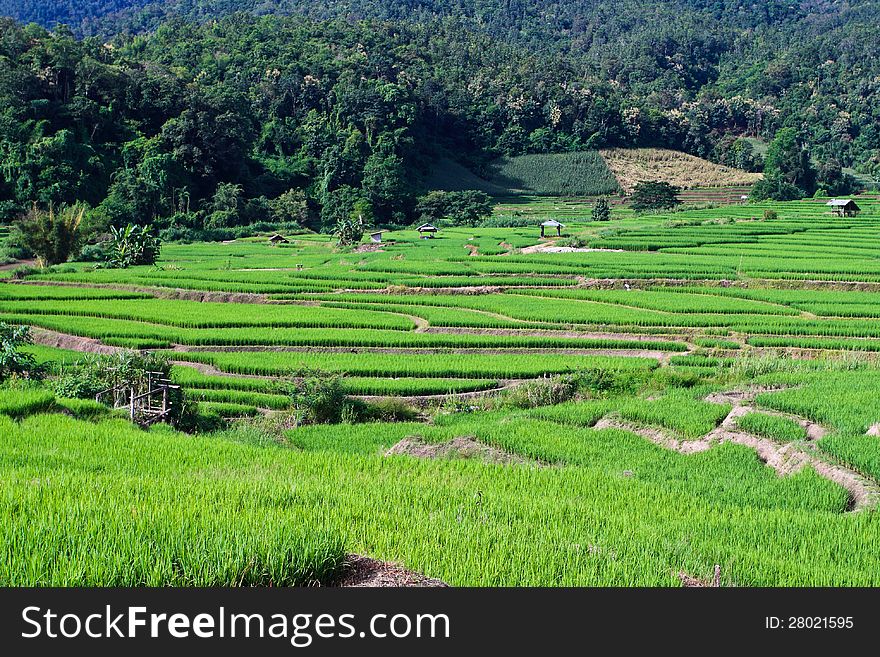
(421, 323)
(554, 333)
(784, 458)
(17, 264)
(49, 338)
(550, 247)
(163, 292)
(657, 355)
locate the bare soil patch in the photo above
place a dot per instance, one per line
(737, 397)
(361, 571)
(465, 447)
(369, 248)
(689, 581)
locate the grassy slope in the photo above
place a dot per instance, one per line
(562, 174)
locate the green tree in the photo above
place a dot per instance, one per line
(788, 159)
(384, 184)
(601, 210)
(464, 208)
(291, 207)
(774, 187)
(834, 181)
(654, 195)
(225, 206)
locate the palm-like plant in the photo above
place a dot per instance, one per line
(52, 236)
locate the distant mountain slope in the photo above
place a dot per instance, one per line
(181, 113)
(572, 17)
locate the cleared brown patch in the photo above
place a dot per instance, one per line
(209, 297)
(465, 447)
(361, 571)
(369, 248)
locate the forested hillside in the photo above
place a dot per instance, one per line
(193, 123)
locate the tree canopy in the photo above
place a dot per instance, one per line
(170, 119)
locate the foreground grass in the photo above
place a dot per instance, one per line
(108, 504)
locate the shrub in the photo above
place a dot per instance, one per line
(319, 398)
(392, 410)
(541, 392)
(13, 361)
(770, 215)
(94, 253)
(349, 230)
(132, 245)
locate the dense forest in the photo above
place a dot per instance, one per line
(188, 116)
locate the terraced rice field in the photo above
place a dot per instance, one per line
(726, 411)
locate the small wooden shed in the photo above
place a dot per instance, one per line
(278, 239)
(426, 231)
(843, 207)
(376, 237)
(552, 223)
